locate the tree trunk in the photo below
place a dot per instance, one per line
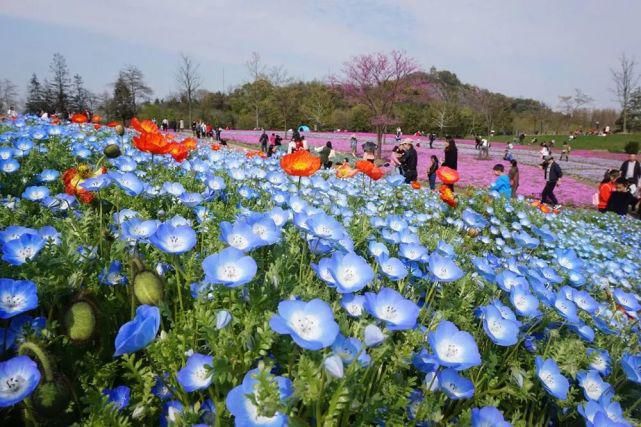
(379, 140)
(625, 120)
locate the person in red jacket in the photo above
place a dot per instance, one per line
(606, 188)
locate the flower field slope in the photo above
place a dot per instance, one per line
(148, 280)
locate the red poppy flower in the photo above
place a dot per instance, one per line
(73, 177)
(113, 124)
(96, 118)
(153, 143)
(364, 166)
(375, 173)
(447, 195)
(190, 143)
(447, 175)
(79, 118)
(144, 126)
(416, 185)
(178, 151)
(215, 147)
(300, 163)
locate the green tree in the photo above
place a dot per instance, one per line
(36, 101)
(120, 105)
(59, 85)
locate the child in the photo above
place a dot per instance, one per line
(607, 186)
(566, 151)
(502, 183)
(620, 199)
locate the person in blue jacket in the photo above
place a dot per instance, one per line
(502, 183)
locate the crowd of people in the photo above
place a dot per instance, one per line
(619, 190)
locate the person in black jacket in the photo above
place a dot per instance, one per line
(263, 141)
(620, 200)
(631, 170)
(451, 154)
(409, 160)
(553, 174)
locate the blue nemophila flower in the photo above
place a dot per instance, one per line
(137, 229)
(551, 378)
(524, 302)
(161, 388)
(453, 348)
(113, 275)
(223, 317)
(585, 301)
(507, 279)
(376, 249)
(398, 312)
(20, 327)
(603, 413)
(568, 259)
(129, 182)
(9, 166)
(627, 300)
(229, 267)
(373, 335)
(173, 188)
(244, 401)
(631, 364)
(190, 199)
(265, 229)
(350, 349)
(96, 183)
(425, 362)
(599, 361)
(454, 385)
(17, 296)
(174, 239)
(488, 416)
(310, 324)
(503, 332)
(412, 251)
(172, 413)
(119, 396)
(13, 232)
(50, 235)
(334, 366)
(35, 193)
(566, 308)
(325, 227)
(350, 272)
(239, 235)
(393, 268)
(19, 377)
(444, 269)
(24, 248)
(484, 268)
(138, 332)
(197, 373)
(592, 384)
(353, 304)
(584, 332)
(473, 219)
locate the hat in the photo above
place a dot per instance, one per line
(407, 141)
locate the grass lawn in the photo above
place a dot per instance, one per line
(613, 143)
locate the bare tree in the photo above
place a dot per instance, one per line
(188, 79)
(257, 88)
(625, 82)
(8, 95)
(135, 81)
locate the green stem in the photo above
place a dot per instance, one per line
(40, 355)
(179, 272)
(318, 412)
(633, 407)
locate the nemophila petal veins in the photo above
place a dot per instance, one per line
(350, 272)
(444, 269)
(310, 324)
(229, 267)
(592, 384)
(454, 385)
(627, 300)
(566, 308)
(453, 348)
(174, 239)
(599, 361)
(17, 296)
(524, 302)
(19, 377)
(503, 332)
(23, 249)
(389, 306)
(551, 378)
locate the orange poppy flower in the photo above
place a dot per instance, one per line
(190, 143)
(345, 171)
(447, 175)
(447, 195)
(375, 173)
(178, 151)
(153, 143)
(215, 147)
(364, 166)
(79, 118)
(416, 185)
(73, 177)
(113, 124)
(96, 126)
(96, 118)
(144, 126)
(545, 208)
(300, 163)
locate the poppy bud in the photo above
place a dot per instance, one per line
(473, 232)
(120, 130)
(80, 321)
(112, 151)
(148, 288)
(51, 398)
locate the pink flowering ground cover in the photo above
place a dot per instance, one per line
(474, 172)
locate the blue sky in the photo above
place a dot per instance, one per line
(539, 49)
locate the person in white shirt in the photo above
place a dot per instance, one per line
(12, 113)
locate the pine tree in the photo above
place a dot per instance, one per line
(80, 99)
(58, 86)
(120, 105)
(35, 97)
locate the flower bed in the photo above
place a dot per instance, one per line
(183, 285)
